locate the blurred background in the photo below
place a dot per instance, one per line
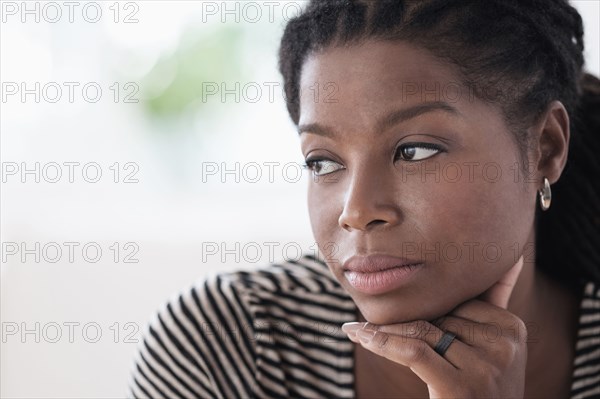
(143, 144)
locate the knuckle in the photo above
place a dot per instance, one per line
(514, 330)
(423, 328)
(421, 324)
(521, 327)
(412, 329)
(384, 341)
(505, 353)
(417, 352)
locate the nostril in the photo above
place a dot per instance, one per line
(347, 227)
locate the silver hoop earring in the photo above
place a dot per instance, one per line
(545, 195)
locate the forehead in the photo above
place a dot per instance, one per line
(372, 77)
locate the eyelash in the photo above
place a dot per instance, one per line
(427, 146)
(311, 164)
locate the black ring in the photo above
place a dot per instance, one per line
(444, 343)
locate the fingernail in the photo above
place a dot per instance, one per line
(352, 337)
(351, 328)
(366, 335)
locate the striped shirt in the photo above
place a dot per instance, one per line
(275, 332)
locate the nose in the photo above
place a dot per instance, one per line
(369, 203)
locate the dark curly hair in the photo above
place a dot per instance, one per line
(519, 54)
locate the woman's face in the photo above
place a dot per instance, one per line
(459, 205)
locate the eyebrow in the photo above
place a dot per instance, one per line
(391, 119)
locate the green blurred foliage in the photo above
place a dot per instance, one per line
(199, 58)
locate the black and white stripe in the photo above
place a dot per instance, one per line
(586, 373)
(274, 332)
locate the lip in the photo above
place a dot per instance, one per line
(376, 274)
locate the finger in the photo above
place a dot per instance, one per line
(499, 294)
(413, 353)
(481, 312)
(457, 354)
(491, 323)
(494, 342)
(477, 335)
(464, 329)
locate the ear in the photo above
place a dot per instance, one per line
(551, 143)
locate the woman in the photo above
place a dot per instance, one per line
(455, 202)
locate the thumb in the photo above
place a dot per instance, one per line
(500, 292)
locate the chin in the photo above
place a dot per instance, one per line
(390, 311)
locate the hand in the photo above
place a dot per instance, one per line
(486, 359)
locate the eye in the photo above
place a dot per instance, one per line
(322, 167)
(416, 151)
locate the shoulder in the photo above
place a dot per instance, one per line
(586, 373)
(589, 317)
(295, 285)
(205, 340)
(305, 277)
(590, 303)
(591, 290)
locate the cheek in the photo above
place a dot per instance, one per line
(323, 213)
(488, 213)
(481, 228)
(472, 212)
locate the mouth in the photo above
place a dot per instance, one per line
(377, 274)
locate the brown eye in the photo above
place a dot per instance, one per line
(321, 167)
(417, 152)
(408, 152)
